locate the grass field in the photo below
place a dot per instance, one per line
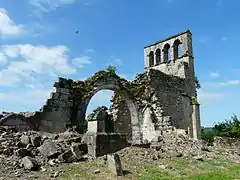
(177, 168)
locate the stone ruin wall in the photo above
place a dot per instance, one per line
(172, 102)
(53, 117)
(56, 113)
(156, 102)
(166, 108)
(180, 61)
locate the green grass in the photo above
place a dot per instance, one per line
(177, 169)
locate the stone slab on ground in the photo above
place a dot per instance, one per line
(114, 164)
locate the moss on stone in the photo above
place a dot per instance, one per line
(136, 89)
(194, 101)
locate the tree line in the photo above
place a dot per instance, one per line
(228, 128)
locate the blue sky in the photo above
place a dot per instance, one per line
(38, 42)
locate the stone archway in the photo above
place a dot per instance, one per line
(83, 91)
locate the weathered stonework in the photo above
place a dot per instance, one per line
(20, 121)
(158, 102)
(99, 121)
(169, 70)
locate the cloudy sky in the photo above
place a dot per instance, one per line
(38, 43)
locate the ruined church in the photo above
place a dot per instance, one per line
(161, 100)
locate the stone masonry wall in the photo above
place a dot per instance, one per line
(167, 106)
(169, 92)
(122, 118)
(56, 113)
(178, 63)
(143, 109)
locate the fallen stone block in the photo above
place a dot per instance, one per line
(35, 140)
(76, 151)
(49, 149)
(79, 150)
(30, 163)
(24, 139)
(65, 157)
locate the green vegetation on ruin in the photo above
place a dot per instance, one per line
(136, 89)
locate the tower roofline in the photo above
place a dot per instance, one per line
(176, 35)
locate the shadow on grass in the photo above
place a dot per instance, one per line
(126, 172)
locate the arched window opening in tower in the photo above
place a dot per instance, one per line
(166, 52)
(151, 59)
(158, 56)
(176, 49)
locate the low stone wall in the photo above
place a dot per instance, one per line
(103, 143)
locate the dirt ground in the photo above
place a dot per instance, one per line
(137, 163)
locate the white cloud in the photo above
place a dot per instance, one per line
(7, 26)
(26, 60)
(210, 96)
(230, 83)
(81, 61)
(43, 6)
(3, 59)
(25, 97)
(221, 84)
(214, 74)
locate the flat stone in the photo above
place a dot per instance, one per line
(30, 163)
(49, 149)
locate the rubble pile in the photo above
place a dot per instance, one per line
(33, 150)
(180, 145)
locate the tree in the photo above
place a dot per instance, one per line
(112, 69)
(208, 135)
(229, 128)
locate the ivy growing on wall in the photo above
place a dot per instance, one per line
(197, 83)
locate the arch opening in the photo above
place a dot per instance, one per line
(127, 125)
(166, 53)
(158, 56)
(97, 116)
(176, 49)
(151, 59)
